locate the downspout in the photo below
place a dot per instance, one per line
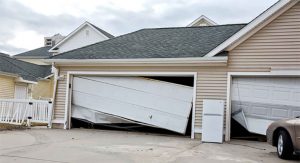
(55, 71)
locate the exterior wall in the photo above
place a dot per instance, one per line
(43, 89)
(211, 84)
(7, 87)
(275, 46)
(81, 38)
(35, 61)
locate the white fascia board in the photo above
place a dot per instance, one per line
(45, 78)
(73, 33)
(20, 79)
(141, 61)
(275, 73)
(253, 24)
(68, 36)
(49, 76)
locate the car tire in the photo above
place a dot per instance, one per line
(284, 145)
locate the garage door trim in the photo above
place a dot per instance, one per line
(231, 75)
(67, 117)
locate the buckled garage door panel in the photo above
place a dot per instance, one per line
(148, 101)
(265, 100)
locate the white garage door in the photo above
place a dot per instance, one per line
(134, 99)
(263, 100)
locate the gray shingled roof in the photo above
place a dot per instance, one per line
(27, 71)
(42, 52)
(102, 31)
(177, 42)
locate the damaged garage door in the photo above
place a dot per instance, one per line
(132, 100)
(257, 102)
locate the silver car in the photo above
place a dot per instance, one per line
(285, 135)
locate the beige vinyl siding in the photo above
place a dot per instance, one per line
(43, 89)
(7, 87)
(211, 84)
(275, 46)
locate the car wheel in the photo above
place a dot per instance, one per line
(284, 145)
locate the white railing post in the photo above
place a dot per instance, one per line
(50, 107)
(1, 112)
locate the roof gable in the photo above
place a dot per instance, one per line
(254, 26)
(98, 35)
(202, 21)
(180, 42)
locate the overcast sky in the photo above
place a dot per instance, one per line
(24, 23)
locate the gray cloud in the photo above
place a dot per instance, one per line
(179, 13)
(15, 16)
(9, 48)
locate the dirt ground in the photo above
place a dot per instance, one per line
(4, 126)
(87, 145)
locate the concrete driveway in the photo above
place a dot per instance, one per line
(83, 145)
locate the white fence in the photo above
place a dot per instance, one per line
(18, 111)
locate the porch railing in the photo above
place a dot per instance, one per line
(19, 111)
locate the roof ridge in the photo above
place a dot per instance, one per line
(198, 26)
(148, 43)
(139, 31)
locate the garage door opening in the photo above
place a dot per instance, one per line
(256, 102)
(150, 104)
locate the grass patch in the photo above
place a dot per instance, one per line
(5, 126)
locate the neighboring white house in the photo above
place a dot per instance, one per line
(202, 21)
(85, 34)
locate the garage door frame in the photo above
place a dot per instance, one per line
(231, 75)
(70, 74)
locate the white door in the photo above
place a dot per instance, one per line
(263, 100)
(213, 121)
(21, 91)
